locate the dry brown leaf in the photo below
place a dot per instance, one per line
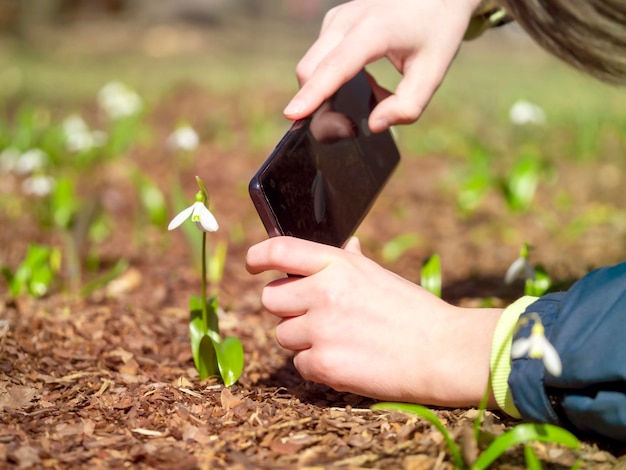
(284, 446)
(124, 355)
(17, 397)
(124, 284)
(68, 429)
(418, 462)
(228, 400)
(27, 456)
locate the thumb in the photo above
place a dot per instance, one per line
(353, 245)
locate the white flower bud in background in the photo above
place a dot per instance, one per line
(118, 100)
(524, 112)
(30, 161)
(38, 185)
(183, 138)
(78, 136)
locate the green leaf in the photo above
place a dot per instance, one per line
(199, 329)
(206, 358)
(431, 275)
(116, 271)
(152, 200)
(521, 434)
(532, 461)
(429, 416)
(35, 273)
(522, 183)
(396, 247)
(229, 359)
(64, 203)
(217, 262)
(540, 285)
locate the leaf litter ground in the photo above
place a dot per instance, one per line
(108, 381)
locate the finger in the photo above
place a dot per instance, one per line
(292, 333)
(339, 66)
(412, 95)
(316, 53)
(286, 297)
(353, 245)
(380, 93)
(289, 255)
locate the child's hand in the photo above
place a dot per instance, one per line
(419, 37)
(360, 328)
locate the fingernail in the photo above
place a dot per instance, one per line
(294, 107)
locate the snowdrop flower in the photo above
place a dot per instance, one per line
(8, 159)
(524, 112)
(199, 214)
(519, 266)
(537, 346)
(183, 138)
(38, 185)
(78, 136)
(118, 100)
(29, 161)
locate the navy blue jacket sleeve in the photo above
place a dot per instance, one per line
(587, 326)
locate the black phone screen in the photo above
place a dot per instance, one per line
(325, 174)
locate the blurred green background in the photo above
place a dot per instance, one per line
(227, 67)
(61, 52)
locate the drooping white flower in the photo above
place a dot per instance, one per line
(31, 160)
(38, 185)
(524, 112)
(198, 213)
(521, 266)
(119, 101)
(183, 138)
(78, 136)
(537, 346)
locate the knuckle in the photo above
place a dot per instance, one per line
(277, 250)
(406, 113)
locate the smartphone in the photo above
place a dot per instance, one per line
(326, 172)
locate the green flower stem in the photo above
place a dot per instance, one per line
(205, 318)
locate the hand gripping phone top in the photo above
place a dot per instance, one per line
(326, 172)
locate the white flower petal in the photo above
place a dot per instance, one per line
(520, 347)
(181, 217)
(202, 215)
(516, 267)
(551, 359)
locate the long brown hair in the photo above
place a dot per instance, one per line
(588, 34)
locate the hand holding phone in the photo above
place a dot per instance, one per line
(326, 172)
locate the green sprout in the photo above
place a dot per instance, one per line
(396, 247)
(212, 355)
(521, 183)
(431, 275)
(36, 272)
(476, 182)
